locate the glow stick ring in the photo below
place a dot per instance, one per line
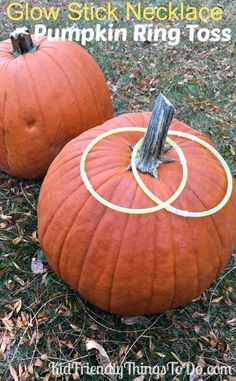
(179, 212)
(161, 204)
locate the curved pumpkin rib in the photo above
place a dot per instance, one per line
(68, 81)
(4, 131)
(75, 152)
(212, 219)
(37, 99)
(206, 207)
(173, 261)
(60, 250)
(171, 218)
(93, 93)
(4, 127)
(118, 255)
(104, 211)
(98, 172)
(218, 234)
(56, 110)
(61, 205)
(212, 166)
(92, 240)
(211, 180)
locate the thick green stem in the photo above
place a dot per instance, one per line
(150, 156)
(22, 42)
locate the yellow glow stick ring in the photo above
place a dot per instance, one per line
(170, 208)
(161, 204)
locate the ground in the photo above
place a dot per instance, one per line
(42, 320)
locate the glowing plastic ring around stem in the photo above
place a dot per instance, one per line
(161, 204)
(170, 208)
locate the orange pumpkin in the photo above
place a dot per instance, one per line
(135, 264)
(49, 94)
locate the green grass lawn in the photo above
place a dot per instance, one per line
(42, 319)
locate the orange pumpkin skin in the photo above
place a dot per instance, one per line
(46, 99)
(134, 264)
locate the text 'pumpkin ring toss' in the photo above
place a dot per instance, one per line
(109, 237)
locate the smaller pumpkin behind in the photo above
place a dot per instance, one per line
(50, 92)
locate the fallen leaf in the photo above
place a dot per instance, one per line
(123, 349)
(37, 266)
(102, 357)
(93, 327)
(160, 354)
(131, 320)
(177, 358)
(17, 240)
(8, 324)
(232, 322)
(17, 306)
(38, 362)
(31, 369)
(212, 339)
(75, 328)
(19, 280)
(217, 300)
(13, 373)
(197, 328)
(34, 237)
(5, 217)
(139, 354)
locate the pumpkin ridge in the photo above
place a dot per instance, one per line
(212, 164)
(194, 252)
(62, 203)
(213, 221)
(37, 100)
(155, 264)
(68, 230)
(172, 228)
(4, 131)
(104, 210)
(93, 93)
(203, 174)
(174, 261)
(118, 253)
(72, 169)
(67, 80)
(217, 232)
(215, 225)
(75, 155)
(154, 268)
(52, 139)
(87, 251)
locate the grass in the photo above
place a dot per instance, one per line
(42, 320)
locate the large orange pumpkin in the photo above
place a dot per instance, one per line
(49, 94)
(135, 264)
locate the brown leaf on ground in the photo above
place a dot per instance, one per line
(13, 373)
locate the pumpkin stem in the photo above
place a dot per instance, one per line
(151, 154)
(22, 42)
